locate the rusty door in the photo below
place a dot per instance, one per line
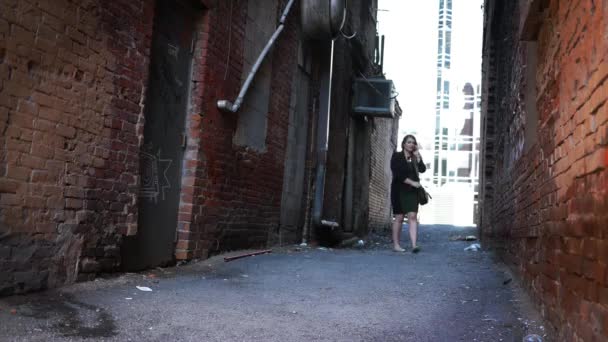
(164, 137)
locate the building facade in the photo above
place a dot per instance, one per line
(544, 179)
(115, 155)
(453, 163)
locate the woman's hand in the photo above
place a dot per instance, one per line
(417, 155)
(412, 183)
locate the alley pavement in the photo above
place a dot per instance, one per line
(444, 293)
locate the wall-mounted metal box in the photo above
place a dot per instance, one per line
(373, 97)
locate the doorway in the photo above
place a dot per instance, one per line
(162, 153)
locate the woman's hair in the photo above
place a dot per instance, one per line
(405, 139)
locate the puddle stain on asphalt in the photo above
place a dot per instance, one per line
(70, 317)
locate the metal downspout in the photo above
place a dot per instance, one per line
(227, 106)
(322, 142)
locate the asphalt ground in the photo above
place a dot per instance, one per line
(442, 293)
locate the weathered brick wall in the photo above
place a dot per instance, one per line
(383, 143)
(232, 193)
(72, 81)
(545, 207)
(70, 117)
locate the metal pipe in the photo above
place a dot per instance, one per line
(382, 56)
(227, 106)
(322, 142)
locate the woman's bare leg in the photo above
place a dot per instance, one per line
(413, 225)
(397, 227)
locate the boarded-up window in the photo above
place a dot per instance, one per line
(253, 115)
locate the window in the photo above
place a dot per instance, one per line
(448, 42)
(446, 105)
(449, 4)
(446, 87)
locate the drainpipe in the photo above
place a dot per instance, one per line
(322, 141)
(229, 107)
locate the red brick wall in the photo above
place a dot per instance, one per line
(383, 144)
(71, 79)
(231, 197)
(545, 209)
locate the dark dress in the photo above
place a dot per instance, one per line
(404, 198)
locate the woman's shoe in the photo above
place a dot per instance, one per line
(415, 249)
(400, 250)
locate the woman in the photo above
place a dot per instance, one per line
(405, 166)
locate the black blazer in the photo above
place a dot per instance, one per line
(401, 170)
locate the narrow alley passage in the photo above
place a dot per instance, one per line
(372, 294)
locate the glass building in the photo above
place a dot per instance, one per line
(453, 174)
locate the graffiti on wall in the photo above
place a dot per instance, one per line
(154, 180)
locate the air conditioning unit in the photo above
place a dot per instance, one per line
(373, 97)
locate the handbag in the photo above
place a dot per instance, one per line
(421, 193)
(423, 196)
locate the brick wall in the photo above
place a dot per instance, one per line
(231, 197)
(544, 195)
(73, 78)
(70, 116)
(383, 144)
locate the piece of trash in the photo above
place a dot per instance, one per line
(303, 244)
(245, 276)
(474, 247)
(322, 248)
(507, 281)
(128, 298)
(360, 243)
(463, 238)
(144, 288)
(226, 259)
(532, 338)
(13, 311)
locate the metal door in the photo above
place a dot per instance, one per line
(164, 138)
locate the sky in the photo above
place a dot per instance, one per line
(410, 30)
